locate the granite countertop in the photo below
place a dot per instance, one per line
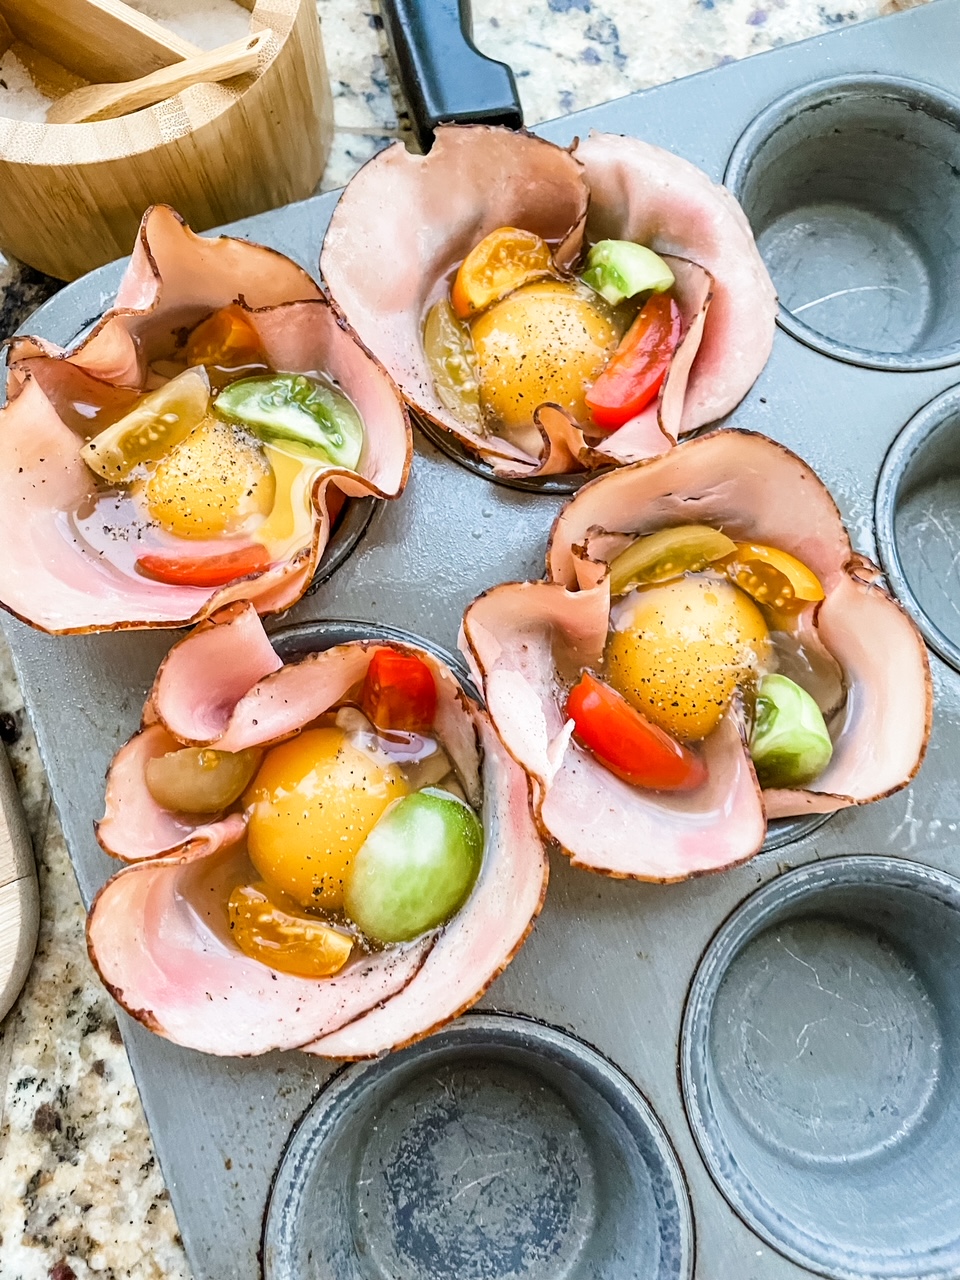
(81, 1194)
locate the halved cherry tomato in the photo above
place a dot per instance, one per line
(503, 261)
(627, 743)
(668, 553)
(773, 577)
(205, 571)
(639, 365)
(399, 692)
(225, 343)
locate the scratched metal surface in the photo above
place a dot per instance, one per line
(611, 961)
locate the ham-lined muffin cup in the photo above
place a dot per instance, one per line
(708, 652)
(195, 448)
(334, 854)
(554, 310)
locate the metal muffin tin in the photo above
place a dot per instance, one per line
(613, 962)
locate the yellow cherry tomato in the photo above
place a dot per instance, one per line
(210, 484)
(666, 554)
(773, 577)
(681, 649)
(158, 422)
(312, 804)
(268, 926)
(226, 343)
(504, 260)
(545, 343)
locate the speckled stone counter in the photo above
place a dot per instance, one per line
(81, 1194)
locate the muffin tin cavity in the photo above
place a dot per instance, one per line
(815, 1062)
(918, 521)
(499, 1149)
(346, 534)
(850, 186)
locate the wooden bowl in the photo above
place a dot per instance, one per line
(73, 194)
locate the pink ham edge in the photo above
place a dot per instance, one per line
(462, 965)
(169, 963)
(599, 821)
(45, 583)
(642, 192)
(145, 972)
(205, 675)
(738, 480)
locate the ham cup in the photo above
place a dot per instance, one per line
(708, 652)
(195, 448)
(334, 855)
(554, 310)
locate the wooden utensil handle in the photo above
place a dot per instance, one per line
(106, 101)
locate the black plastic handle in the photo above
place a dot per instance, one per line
(444, 77)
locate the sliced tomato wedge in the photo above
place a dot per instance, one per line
(503, 261)
(627, 743)
(773, 577)
(204, 571)
(399, 692)
(637, 368)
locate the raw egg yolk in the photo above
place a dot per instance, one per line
(681, 649)
(313, 803)
(210, 484)
(546, 342)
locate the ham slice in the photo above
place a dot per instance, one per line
(424, 214)
(157, 932)
(755, 489)
(49, 576)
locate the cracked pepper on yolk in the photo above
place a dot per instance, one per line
(544, 343)
(210, 483)
(312, 805)
(678, 651)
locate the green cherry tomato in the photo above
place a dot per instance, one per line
(416, 867)
(666, 554)
(790, 744)
(620, 269)
(293, 409)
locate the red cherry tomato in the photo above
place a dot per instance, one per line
(627, 743)
(399, 692)
(205, 571)
(639, 365)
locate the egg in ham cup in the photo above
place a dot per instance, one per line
(195, 448)
(707, 652)
(335, 854)
(555, 310)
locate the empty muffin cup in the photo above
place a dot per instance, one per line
(850, 187)
(818, 1064)
(918, 522)
(497, 1149)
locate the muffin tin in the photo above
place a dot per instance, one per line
(802, 1117)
